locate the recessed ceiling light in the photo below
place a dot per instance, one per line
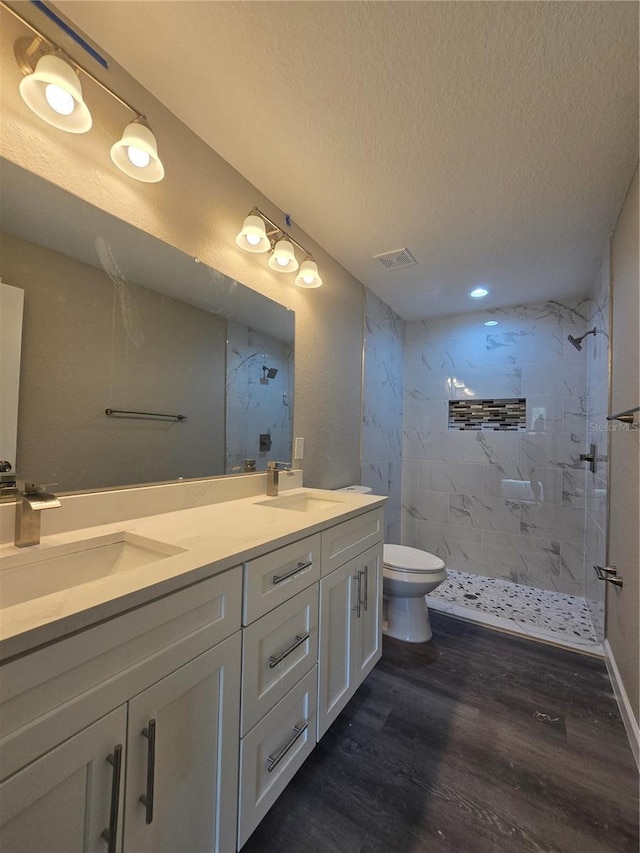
(491, 323)
(479, 292)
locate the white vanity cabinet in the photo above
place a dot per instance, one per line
(76, 769)
(350, 617)
(175, 725)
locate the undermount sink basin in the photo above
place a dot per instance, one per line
(40, 572)
(304, 501)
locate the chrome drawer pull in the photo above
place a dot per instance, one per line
(299, 568)
(274, 760)
(110, 834)
(147, 799)
(274, 660)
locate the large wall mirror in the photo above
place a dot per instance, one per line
(195, 369)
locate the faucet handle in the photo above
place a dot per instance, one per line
(279, 466)
(28, 487)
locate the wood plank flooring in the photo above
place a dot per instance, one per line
(477, 742)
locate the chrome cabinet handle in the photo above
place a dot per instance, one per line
(110, 833)
(147, 798)
(274, 660)
(608, 573)
(358, 606)
(299, 568)
(365, 597)
(274, 760)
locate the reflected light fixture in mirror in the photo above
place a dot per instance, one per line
(51, 89)
(254, 237)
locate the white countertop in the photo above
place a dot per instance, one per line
(214, 538)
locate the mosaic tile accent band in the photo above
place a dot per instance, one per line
(508, 414)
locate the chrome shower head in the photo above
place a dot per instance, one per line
(577, 342)
(269, 372)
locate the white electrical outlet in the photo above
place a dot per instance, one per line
(298, 448)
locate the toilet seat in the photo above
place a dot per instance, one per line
(401, 558)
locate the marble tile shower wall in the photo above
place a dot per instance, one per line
(597, 433)
(382, 410)
(253, 407)
(499, 504)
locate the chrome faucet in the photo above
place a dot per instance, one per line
(31, 501)
(273, 470)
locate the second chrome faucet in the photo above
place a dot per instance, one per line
(273, 470)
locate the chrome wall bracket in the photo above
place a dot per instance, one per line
(609, 574)
(591, 457)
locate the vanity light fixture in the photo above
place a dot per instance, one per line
(136, 153)
(51, 89)
(283, 257)
(253, 235)
(260, 234)
(53, 92)
(308, 275)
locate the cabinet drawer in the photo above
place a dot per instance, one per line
(276, 577)
(273, 751)
(347, 540)
(277, 651)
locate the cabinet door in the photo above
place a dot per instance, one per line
(182, 764)
(337, 638)
(368, 646)
(65, 800)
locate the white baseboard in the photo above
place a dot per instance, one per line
(626, 711)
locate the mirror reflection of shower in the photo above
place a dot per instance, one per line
(577, 342)
(267, 374)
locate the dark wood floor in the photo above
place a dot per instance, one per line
(477, 742)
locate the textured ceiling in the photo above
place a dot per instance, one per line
(495, 140)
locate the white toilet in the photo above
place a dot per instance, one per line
(408, 575)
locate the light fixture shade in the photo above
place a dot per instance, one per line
(308, 275)
(52, 70)
(282, 258)
(253, 235)
(140, 139)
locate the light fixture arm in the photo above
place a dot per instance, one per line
(278, 230)
(23, 57)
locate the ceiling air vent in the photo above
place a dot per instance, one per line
(396, 259)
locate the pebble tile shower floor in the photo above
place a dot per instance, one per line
(536, 613)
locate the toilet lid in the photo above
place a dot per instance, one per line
(410, 559)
